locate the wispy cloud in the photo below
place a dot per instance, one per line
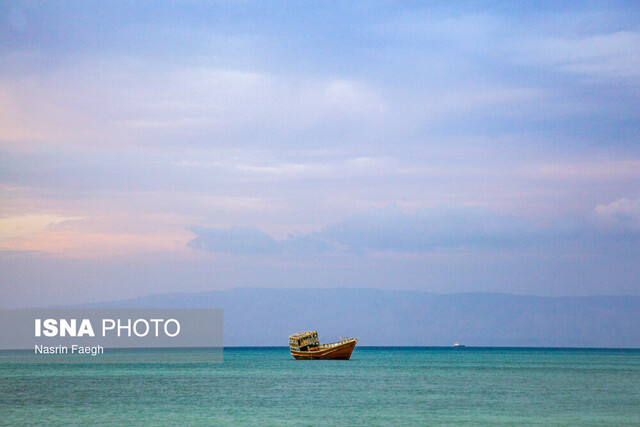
(622, 215)
(389, 229)
(127, 102)
(601, 56)
(245, 240)
(234, 240)
(26, 226)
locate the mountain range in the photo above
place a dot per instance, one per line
(266, 317)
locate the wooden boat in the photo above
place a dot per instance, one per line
(305, 345)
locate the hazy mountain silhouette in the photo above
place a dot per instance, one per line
(260, 317)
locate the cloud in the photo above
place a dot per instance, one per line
(26, 226)
(385, 229)
(247, 240)
(583, 171)
(242, 240)
(601, 56)
(292, 121)
(92, 100)
(622, 215)
(312, 243)
(390, 229)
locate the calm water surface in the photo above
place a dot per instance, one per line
(378, 386)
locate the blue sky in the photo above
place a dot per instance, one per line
(185, 146)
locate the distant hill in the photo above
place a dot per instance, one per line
(265, 317)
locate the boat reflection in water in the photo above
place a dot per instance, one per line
(305, 345)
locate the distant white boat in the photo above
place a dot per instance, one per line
(458, 345)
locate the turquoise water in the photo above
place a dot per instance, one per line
(378, 386)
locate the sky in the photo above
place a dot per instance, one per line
(150, 147)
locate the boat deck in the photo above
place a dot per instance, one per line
(334, 344)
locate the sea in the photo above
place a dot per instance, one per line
(378, 386)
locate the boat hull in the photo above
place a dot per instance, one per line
(340, 351)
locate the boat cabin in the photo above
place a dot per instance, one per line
(304, 341)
